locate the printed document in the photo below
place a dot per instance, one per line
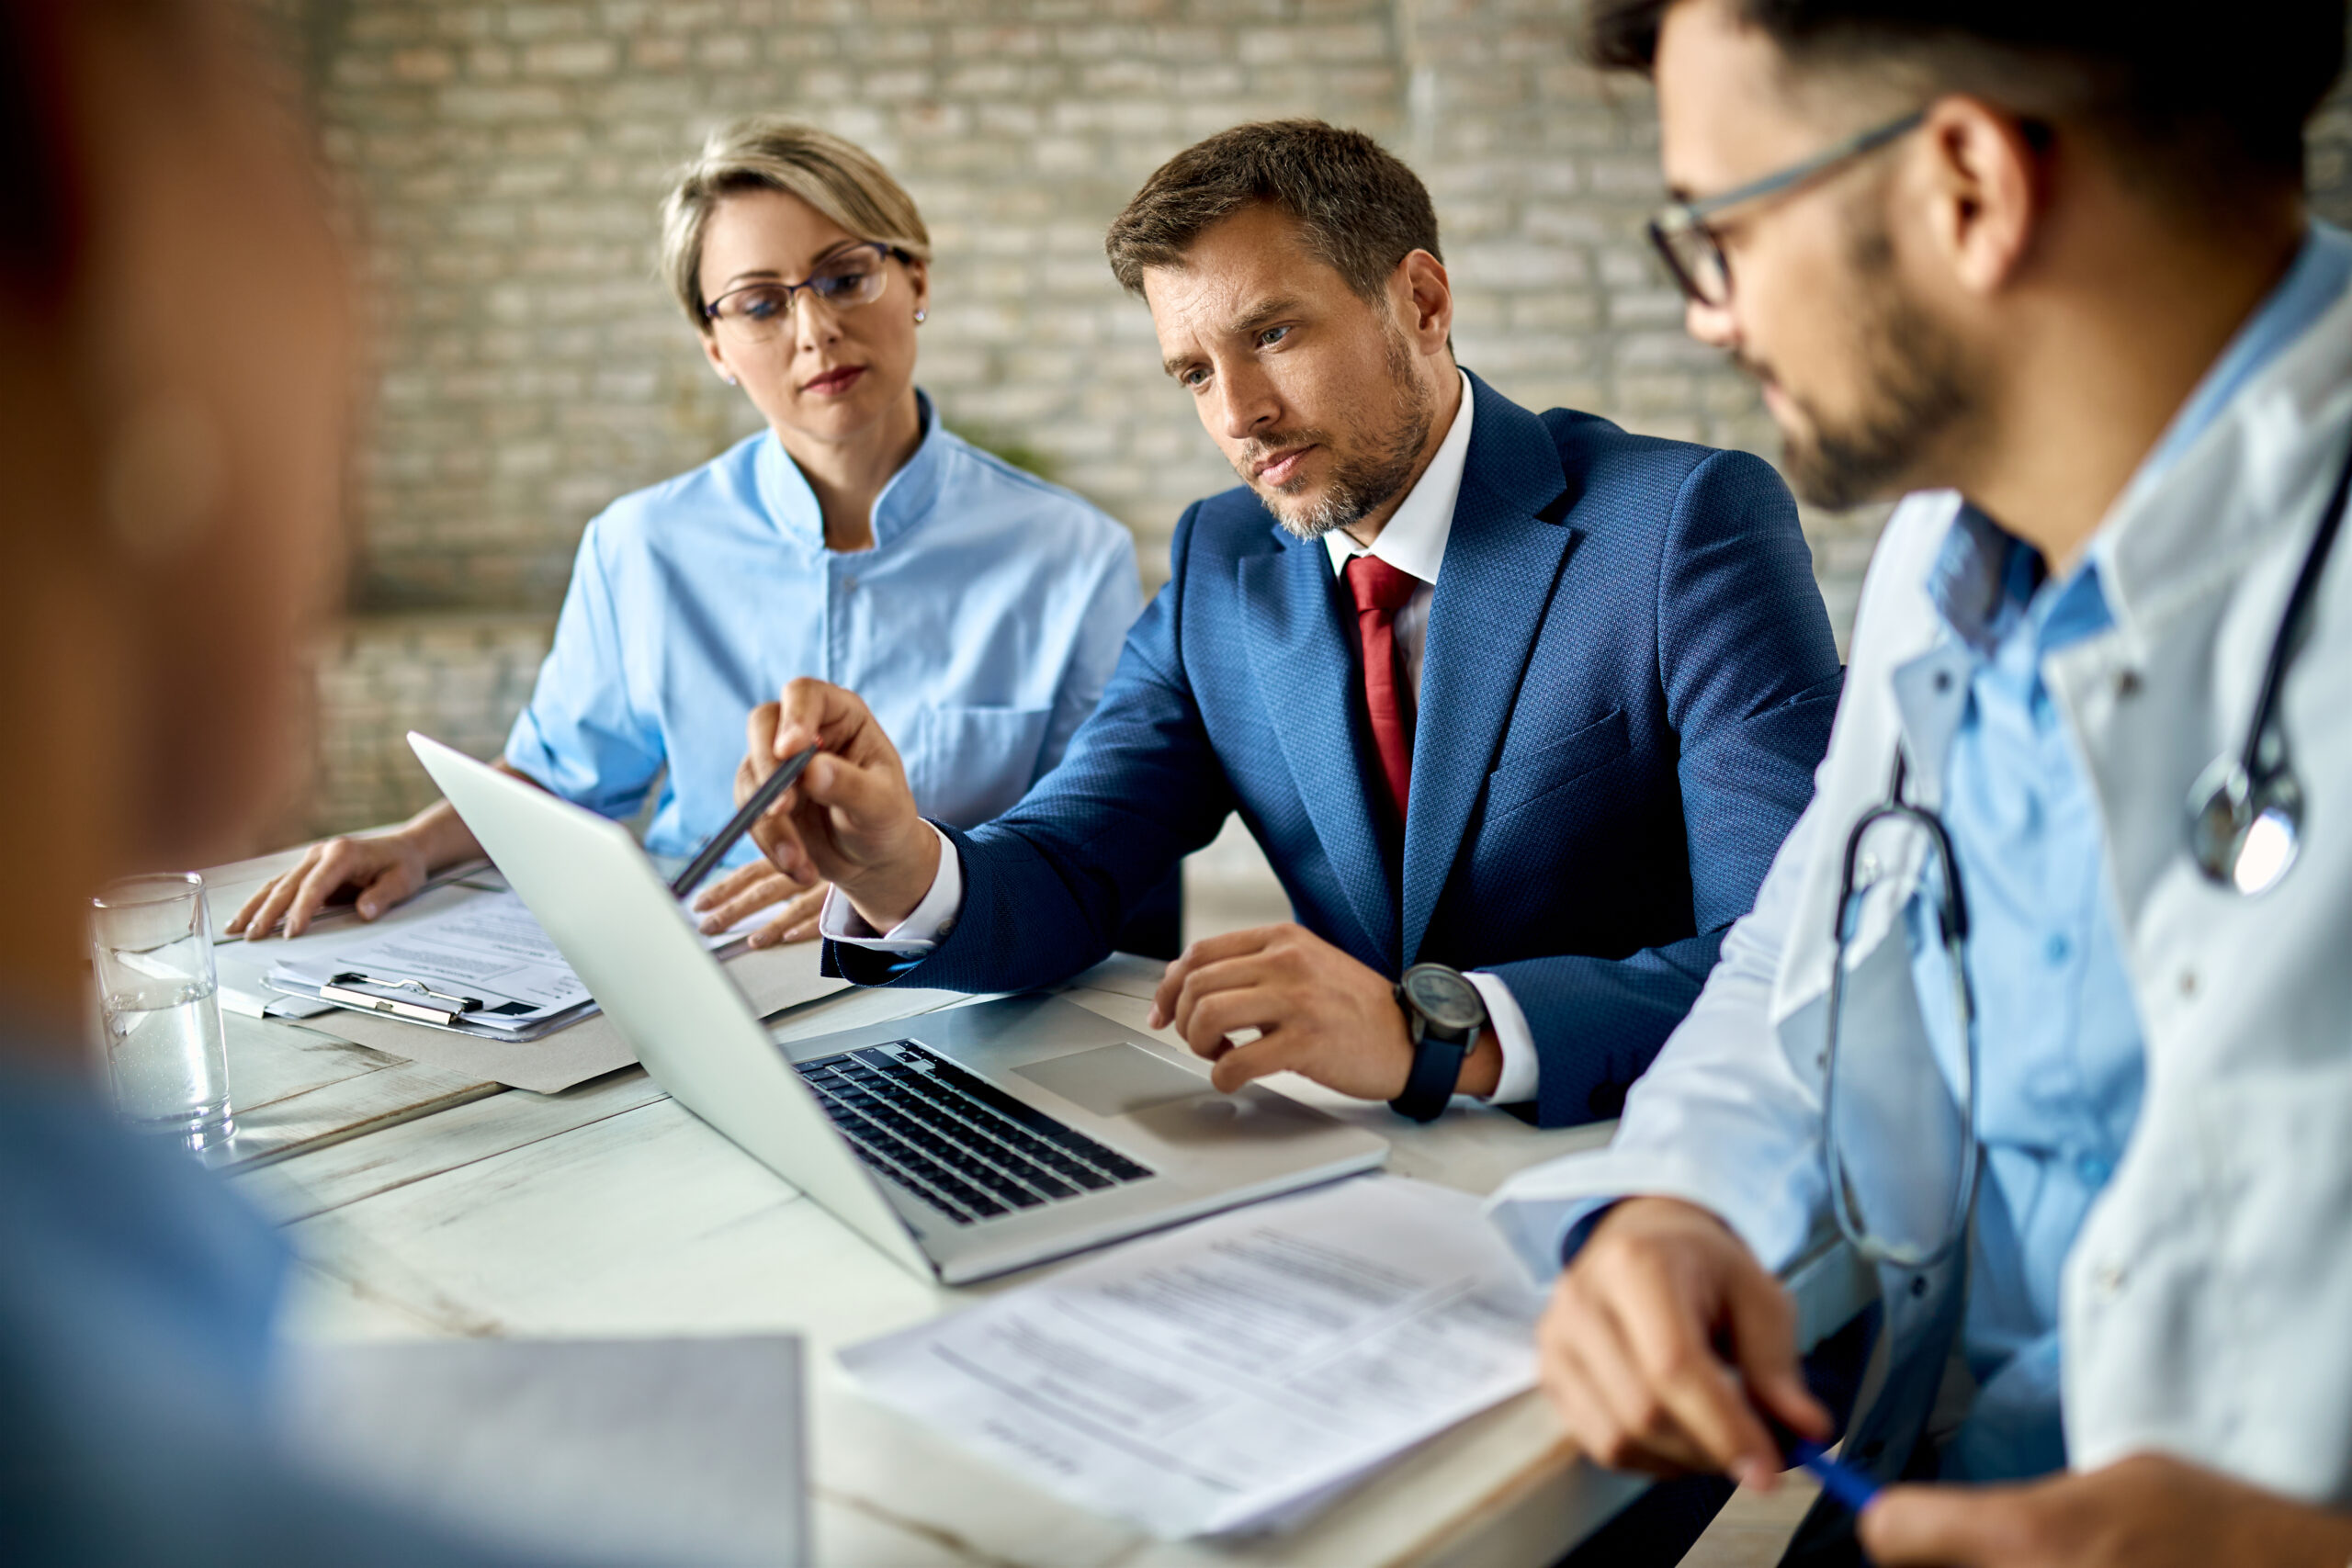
(1237, 1373)
(245, 966)
(488, 948)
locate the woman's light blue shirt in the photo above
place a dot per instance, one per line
(979, 628)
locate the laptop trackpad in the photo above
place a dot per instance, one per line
(1116, 1080)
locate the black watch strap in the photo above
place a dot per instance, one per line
(1443, 1014)
(1428, 1089)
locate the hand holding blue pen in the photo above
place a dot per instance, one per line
(1841, 1481)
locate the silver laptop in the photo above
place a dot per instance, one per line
(962, 1143)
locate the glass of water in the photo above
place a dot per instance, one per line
(152, 943)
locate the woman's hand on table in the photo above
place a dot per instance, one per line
(380, 871)
(750, 888)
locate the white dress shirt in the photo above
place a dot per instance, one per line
(1414, 542)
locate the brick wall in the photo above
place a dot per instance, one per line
(509, 157)
(461, 677)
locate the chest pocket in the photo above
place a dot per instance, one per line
(1525, 780)
(967, 765)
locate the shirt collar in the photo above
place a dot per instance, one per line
(1414, 540)
(904, 501)
(2313, 282)
(1989, 586)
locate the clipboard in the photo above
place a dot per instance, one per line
(414, 1001)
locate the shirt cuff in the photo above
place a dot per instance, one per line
(921, 930)
(1547, 1233)
(1522, 1069)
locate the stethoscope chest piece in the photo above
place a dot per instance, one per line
(2244, 833)
(2245, 812)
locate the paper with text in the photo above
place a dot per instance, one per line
(489, 948)
(1233, 1374)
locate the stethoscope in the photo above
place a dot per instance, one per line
(2245, 812)
(2245, 818)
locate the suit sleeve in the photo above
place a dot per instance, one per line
(1750, 679)
(1720, 1121)
(1047, 886)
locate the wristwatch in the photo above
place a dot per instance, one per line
(1443, 1014)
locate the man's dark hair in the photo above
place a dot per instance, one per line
(1360, 211)
(35, 227)
(2198, 96)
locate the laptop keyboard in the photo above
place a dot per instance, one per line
(954, 1139)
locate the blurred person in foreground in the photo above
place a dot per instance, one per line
(1519, 706)
(174, 360)
(2082, 1088)
(854, 540)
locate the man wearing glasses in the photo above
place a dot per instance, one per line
(2043, 1007)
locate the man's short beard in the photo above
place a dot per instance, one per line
(1362, 484)
(1915, 375)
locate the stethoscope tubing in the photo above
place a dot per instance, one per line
(2291, 623)
(1953, 916)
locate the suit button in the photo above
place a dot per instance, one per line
(1919, 1285)
(2108, 1281)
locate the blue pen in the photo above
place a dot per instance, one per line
(1843, 1481)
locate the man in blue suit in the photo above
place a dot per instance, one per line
(1519, 707)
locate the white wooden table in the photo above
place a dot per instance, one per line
(609, 1210)
(423, 1205)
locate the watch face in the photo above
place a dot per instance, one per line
(1444, 998)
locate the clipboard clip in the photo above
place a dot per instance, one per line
(338, 990)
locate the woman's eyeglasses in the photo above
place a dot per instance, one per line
(850, 277)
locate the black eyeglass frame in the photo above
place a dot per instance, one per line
(1951, 930)
(792, 290)
(1681, 218)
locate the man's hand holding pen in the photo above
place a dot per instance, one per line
(850, 818)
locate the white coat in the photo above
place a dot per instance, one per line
(2206, 1307)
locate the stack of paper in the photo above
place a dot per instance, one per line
(1235, 1375)
(243, 966)
(487, 949)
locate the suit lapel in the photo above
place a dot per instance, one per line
(1298, 645)
(1502, 558)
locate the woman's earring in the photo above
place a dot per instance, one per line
(920, 315)
(730, 380)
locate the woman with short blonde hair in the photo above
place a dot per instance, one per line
(838, 179)
(978, 608)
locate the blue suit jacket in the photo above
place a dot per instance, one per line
(1628, 681)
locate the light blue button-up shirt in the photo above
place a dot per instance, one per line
(2059, 1042)
(981, 629)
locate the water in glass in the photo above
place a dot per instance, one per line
(165, 1052)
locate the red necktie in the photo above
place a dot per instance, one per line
(1380, 592)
